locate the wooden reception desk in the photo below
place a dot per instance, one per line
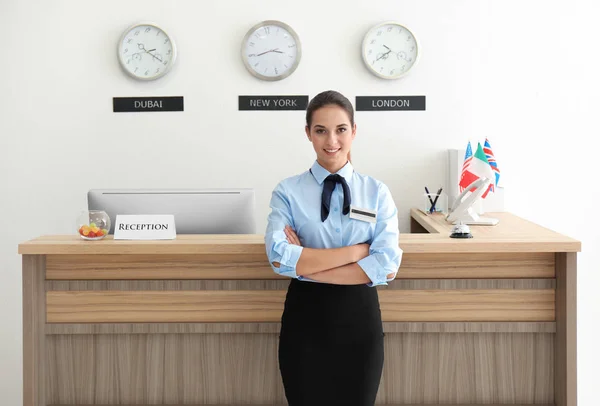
(490, 320)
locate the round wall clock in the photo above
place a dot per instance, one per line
(146, 51)
(390, 50)
(271, 50)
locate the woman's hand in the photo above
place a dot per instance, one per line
(291, 235)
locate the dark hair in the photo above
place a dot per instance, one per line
(327, 98)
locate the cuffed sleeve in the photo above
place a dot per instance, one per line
(276, 244)
(385, 254)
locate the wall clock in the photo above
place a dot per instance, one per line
(146, 51)
(390, 50)
(271, 50)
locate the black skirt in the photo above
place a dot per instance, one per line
(331, 344)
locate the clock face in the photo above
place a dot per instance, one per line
(271, 50)
(390, 50)
(146, 52)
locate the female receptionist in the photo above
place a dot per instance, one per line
(334, 231)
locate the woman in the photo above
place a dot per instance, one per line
(335, 233)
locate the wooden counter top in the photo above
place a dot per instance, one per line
(512, 234)
(509, 231)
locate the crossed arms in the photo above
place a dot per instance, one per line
(331, 265)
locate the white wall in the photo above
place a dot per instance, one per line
(522, 73)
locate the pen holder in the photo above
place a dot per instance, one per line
(435, 203)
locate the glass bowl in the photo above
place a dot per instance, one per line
(93, 224)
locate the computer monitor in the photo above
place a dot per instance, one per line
(196, 211)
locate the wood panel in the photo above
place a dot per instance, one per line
(208, 266)
(243, 369)
(164, 369)
(413, 266)
(275, 327)
(477, 265)
(417, 228)
(285, 404)
(34, 319)
(566, 329)
(467, 368)
(233, 285)
(467, 305)
(267, 306)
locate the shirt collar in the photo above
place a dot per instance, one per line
(321, 173)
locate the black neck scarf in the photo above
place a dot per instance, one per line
(328, 188)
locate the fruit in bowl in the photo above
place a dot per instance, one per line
(92, 232)
(93, 224)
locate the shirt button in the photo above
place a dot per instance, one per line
(337, 230)
(336, 209)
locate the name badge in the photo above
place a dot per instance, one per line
(145, 227)
(363, 214)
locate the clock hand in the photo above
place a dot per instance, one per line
(389, 49)
(270, 50)
(148, 52)
(159, 59)
(154, 56)
(383, 55)
(266, 52)
(142, 47)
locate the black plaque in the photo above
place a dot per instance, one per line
(273, 102)
(139, 104)
(389, 103)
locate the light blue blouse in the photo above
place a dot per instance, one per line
(296, 201)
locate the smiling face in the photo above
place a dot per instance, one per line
(331, 134)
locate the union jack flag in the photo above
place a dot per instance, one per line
(468, 158)
(487, 149)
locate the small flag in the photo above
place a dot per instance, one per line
(487, 148)
(464, 176)
(479, 167)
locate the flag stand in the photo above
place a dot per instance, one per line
(463, 211)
